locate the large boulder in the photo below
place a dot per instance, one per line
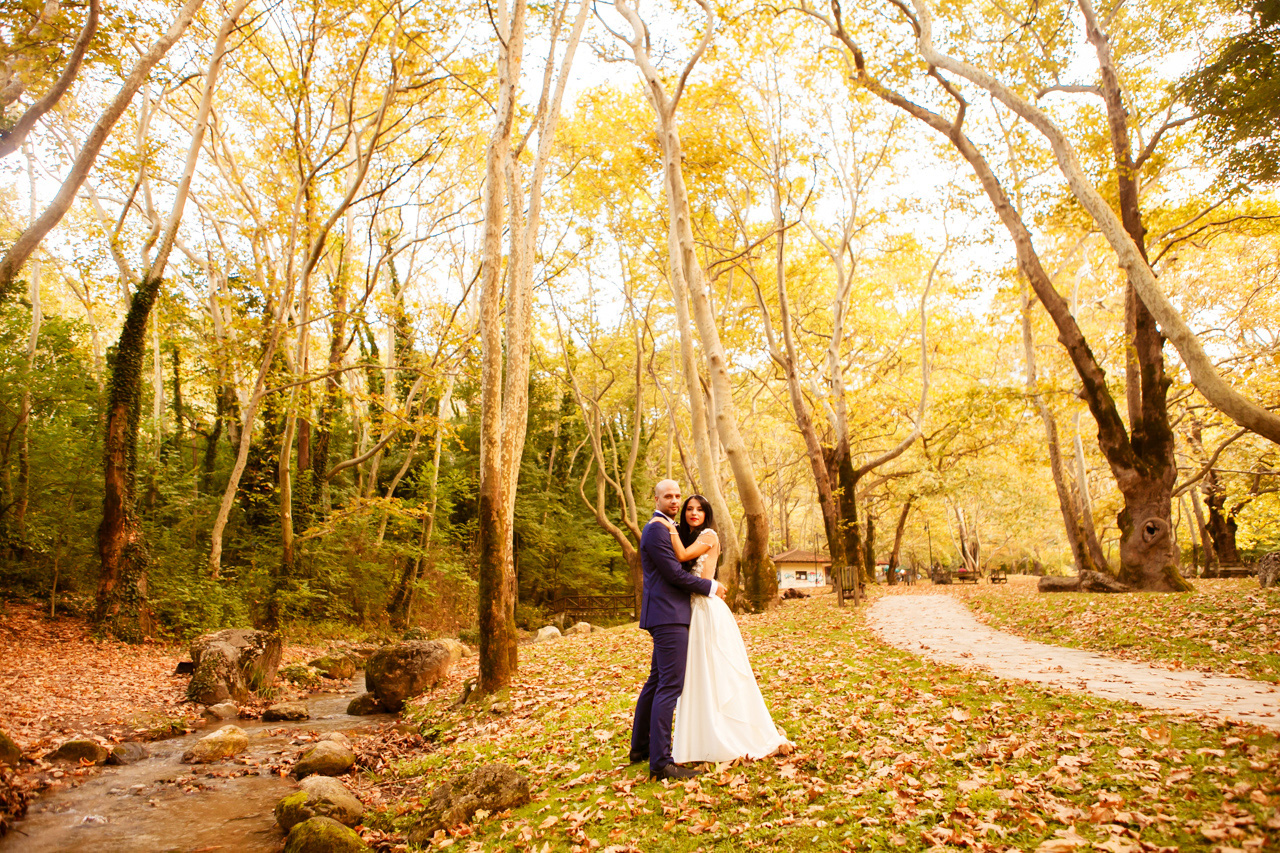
(323, 835)
(397, 673)
(321, 796)
(10, 752)
(549, 632)
(286, 711)
(493, 787)
(215, 746)
(80, 749)
(326, 758)
(233, 664)
(578, 628)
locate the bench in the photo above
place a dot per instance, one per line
(999, 576)
(966, 577)
(583, 607)
(1229, 572)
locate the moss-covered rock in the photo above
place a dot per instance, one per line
(224, 743)
(335, 665)
(364, 704)
(10, 752)
(323, 835)
(326, 758)
(397, 673)
(80, 749)
(127, 753)
(301, 674)
(493, 787)
(320, 796)
(286, 711)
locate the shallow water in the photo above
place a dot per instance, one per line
(141, 809)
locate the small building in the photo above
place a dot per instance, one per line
(797, 568)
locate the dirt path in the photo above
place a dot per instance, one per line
(941, 628)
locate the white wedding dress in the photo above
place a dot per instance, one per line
(720, 715)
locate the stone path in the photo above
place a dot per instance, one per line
(941, 628)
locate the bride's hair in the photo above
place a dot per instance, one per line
(689, 534)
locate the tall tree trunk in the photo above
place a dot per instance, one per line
(756, 583)
(121, 602)
(786, 359)
(505, 388)
(1068, 506)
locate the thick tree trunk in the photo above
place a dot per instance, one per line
(121, 607)
(1222, 529)
(1148, 559)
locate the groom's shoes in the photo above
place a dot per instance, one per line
(637, 757)
(674, 771)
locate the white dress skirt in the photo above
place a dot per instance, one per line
(720, 715)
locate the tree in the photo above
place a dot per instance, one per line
(28, 43)
(1142, 461)
(1236, 96)
(509, 201)
(755, 583)
(18, 253)
(121, 607)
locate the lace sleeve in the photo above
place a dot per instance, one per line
(708, 536)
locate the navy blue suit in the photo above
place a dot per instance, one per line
(664, 613)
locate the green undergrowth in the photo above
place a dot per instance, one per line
(1231, 627)
(892, 753)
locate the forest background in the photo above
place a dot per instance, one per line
(338, 316)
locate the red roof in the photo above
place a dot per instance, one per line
(796, 555)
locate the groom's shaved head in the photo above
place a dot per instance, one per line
(666, 497)
(665, 485)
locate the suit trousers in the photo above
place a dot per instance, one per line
(651, 728)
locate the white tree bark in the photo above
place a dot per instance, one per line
(1204, 374)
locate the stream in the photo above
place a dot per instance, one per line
(144, 808)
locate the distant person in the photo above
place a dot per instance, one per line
(721, 714)
(664, 612)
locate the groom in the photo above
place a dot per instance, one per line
(664, 613)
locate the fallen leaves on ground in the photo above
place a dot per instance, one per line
(892, 752)
(58, 681)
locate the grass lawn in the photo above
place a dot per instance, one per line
(1229, 627)
(892, 753)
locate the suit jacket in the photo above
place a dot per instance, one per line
(667, 586)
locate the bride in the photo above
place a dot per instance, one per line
(720, 715)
